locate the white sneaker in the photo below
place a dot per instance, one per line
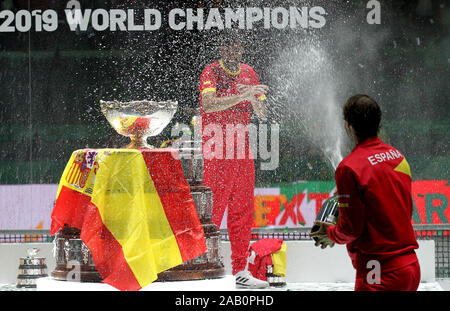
(244, 279)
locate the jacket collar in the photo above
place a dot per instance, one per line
(371, 141)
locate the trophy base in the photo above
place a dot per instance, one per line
(206, 266)
(28, 281)
(73, 259)
(81, 276)
(198, 273)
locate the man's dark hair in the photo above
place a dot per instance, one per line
(364, 115)
(227, 37)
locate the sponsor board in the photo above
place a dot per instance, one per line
(286, 205)
(296, 204)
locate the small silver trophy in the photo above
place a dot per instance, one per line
(31, 268)
(274, 279)
(329, 212)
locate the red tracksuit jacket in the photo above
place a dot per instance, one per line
(216, 78)
(375, 207)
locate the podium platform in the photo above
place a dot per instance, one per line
(223, 284)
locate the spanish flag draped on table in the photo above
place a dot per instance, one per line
(135, 212)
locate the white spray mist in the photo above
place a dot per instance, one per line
(306, 88)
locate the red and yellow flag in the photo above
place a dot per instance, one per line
(135, 212)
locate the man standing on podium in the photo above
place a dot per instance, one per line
(229, 93)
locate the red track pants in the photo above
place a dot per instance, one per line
(406, 278)
(233, 183)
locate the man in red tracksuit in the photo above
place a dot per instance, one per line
(375, 206)
(229, 93)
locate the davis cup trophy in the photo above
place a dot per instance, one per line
(138, 119)
(141, 119)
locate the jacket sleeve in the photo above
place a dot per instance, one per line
(208, 81)
(350, 224)
(255, 81)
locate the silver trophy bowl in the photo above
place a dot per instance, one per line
(139, 119)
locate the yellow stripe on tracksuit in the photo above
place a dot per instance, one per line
(209, 89)
(403, 167)
(147, 240)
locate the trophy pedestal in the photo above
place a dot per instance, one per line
(196, 273)
(73, 258)
(208, 265)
